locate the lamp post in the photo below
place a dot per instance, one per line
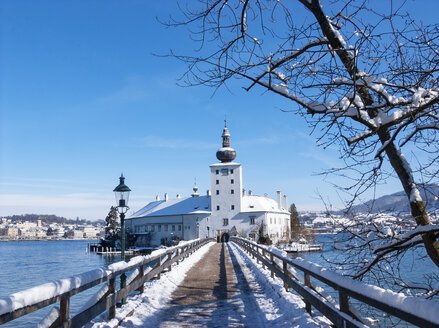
(122, 193)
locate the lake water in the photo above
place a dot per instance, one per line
(25, 264)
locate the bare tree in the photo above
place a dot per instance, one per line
(366, 81)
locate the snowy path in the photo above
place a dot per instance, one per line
(223, 289)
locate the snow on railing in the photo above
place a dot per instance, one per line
(418, 311)
(35, 298)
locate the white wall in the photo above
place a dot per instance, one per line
(182, 226)
(221, 177)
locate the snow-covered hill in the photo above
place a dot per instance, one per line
(398, 202)
(388, 210)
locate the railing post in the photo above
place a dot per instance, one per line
(169, 259)
(177, 255)
(159, 263)
(140, 276)
(307, 279)
(285, 269)
(257, 253)
(64, 311)
(272, 263)
(112, 290)
(263, 255)
(123, 284)
(344, 301)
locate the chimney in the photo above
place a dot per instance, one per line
(178, 196)
(208, 193)
(285, 203)
(279, 199)
(250, 193)
(166, 197)
(243, 192)
(157, 198)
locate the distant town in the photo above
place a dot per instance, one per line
(40, 227)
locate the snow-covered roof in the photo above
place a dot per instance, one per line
(260, 204)
(179, 206)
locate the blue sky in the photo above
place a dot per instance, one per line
(83, 98)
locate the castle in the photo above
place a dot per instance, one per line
(224, 212)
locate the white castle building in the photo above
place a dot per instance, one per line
(224, 212)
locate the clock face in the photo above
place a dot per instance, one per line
(224, 172)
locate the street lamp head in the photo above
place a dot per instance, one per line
(122, 193)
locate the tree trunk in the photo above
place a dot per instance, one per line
(418, 210)
(397, 160)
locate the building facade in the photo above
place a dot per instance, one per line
(223, 211)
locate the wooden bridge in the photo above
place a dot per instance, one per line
(218, 291)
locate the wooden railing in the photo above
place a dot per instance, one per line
(403, 307)
(20, 304)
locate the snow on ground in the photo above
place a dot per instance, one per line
(273, 305)
(156, 296)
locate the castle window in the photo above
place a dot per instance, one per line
(159, 227)
(217, 181)
(232, 191)
(233, 207)
(173, 227)
(166, 227)
(232, 181)
(217, 171)
(224, 172)
(179, 227)
(252, 219)
(217, 207)
(152, 228)
(225, 222)
(217, 192)
(231, 171)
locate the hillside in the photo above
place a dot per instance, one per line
(50, 218)
(398, 202)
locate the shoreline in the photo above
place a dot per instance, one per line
(47, 239)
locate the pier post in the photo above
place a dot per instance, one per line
(285, 269)
(159, 263)
(263, 255)
(344, 302)
(112, 290)
(64, 310)
(272, 263)
(140, 276)
(169, 259)
(307, 279)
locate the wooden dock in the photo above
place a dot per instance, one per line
(116, 252)
(304, 248)
(101, 250)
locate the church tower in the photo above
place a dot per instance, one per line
(226, 186)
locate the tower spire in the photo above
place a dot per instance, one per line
(226, 153)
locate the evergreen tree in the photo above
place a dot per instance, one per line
(111, 224)
(294, 222)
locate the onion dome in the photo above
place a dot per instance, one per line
(195, 189)
(226, 154)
